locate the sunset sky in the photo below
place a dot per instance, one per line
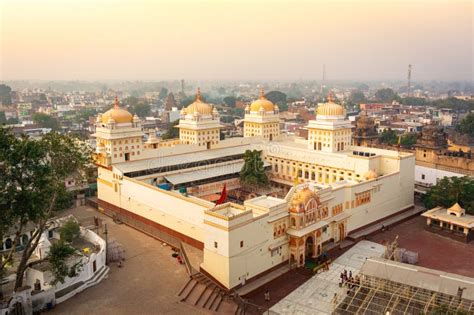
(287, 39)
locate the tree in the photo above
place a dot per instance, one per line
(33, 175)
(69, 231)
(253, 172)
(141, 109)
(385, 95)
(276, 97)
(230, 101)
(388, 136)
(356, 98)
(408, 140)
(450, 190)
(58, 257)
(46, 121)
(163, 93)
(416, 101)
(172, 132)
(5, 96)
(466, 126)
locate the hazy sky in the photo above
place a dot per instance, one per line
(286, 39)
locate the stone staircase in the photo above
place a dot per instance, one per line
(202, 292)
(80, 286)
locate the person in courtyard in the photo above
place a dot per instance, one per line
(267, 295)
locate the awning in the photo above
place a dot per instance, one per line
(308, 229)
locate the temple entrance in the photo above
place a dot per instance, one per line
(342, 231)
(309, 246)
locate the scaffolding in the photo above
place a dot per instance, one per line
(375, 295)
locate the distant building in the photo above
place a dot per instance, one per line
(365, 133)
(453, 222)
(170, 102)
(372, 106)
(434, 161)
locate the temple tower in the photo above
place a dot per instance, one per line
(331, 131)
(199, 124)
(262, 119)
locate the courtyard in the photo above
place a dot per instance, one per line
(434, 251)
(147, 282)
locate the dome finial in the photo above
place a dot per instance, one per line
(116, 103)
(198, 94)
(330, 97)
(262, 94)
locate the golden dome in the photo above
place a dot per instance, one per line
(199, 106)
(116, 113)
(262, 102)
(370, 174)
(330, 108)
(301, 198)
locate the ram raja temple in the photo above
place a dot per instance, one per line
(321, 189)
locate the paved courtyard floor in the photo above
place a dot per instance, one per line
(147, 283)
(434, 251)
(316, 295)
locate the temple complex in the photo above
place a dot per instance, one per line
(320, 190)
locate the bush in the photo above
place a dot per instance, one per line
(69, 231)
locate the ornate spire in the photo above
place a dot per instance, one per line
(198, 94)
(116, 103)
(262, 94)
(330, 97)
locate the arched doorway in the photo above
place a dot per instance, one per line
(309, 246)
(342, 232)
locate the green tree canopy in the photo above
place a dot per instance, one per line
(277, 97)
(388, 136)
(46, 121)
(163, 93)
(172, 132)
(253, 172)
(5, 94)
(356, 98)
(466, 126)
(408, 140)
(450, 190)
(230, 101)
(32, 181)
(141, 109)
(69, 231)
(58, 258)
(386, 95)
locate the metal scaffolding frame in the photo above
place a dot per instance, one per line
(381, 296)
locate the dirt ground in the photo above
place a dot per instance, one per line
(147, 283)
(434, 251)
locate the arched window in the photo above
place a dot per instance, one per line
(8, 243)
(293, 222)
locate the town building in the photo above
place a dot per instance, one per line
(321, 189)
(434, 160)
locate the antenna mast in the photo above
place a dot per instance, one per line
(323, 80)
(409, 81)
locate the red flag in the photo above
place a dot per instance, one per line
(223, 196)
